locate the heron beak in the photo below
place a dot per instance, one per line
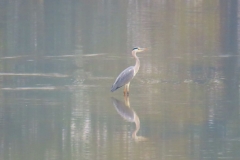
(143, 49)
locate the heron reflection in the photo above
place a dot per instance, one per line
(127, 113)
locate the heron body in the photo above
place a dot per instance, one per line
(124, 78)
(127, 75)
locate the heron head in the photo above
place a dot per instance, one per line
(138, 49)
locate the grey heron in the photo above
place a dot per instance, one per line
(127, 75)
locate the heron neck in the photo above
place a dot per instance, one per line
(137, 65)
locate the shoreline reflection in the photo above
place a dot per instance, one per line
(127, 113)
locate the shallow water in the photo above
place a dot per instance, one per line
(55, 82)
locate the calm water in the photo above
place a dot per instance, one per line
(59, 60)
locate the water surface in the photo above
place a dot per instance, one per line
(59, 60)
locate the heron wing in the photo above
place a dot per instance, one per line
(124, 77)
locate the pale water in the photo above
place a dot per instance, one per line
(60, 58)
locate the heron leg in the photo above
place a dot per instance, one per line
(126, 89)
